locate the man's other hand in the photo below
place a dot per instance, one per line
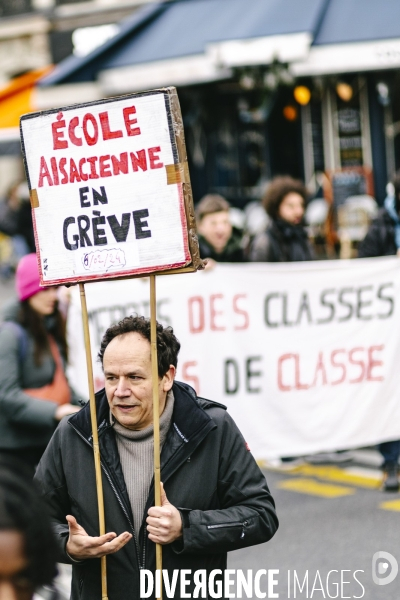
(80, 545)
(164, 523)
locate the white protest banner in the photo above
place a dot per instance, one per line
(110, 189)
(305, 355)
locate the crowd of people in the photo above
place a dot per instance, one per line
(283, 240)
(35, 395)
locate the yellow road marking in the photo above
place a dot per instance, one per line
(314, 488)
(333, 473)
(391, 505)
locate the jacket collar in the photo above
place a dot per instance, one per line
(190, 424)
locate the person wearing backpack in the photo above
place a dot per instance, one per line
(34, 392)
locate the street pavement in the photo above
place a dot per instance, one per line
(332, 518)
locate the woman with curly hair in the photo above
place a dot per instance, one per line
(285, 239)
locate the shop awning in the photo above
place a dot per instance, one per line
(16, 99)
(195, 41)
(355, 35)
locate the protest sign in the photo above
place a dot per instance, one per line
(305, 355)
(110, 189)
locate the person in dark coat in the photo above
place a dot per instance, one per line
(16, 218)
(383, 236)
(34, 392)
(383, 239)
(218, 241)
(285, 239)
(214, 498)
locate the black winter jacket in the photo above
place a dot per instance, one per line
(207, 471)
(233, 251)
(281, 242)
(380, 239)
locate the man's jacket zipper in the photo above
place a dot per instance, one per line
(120, 503)
(235, 524)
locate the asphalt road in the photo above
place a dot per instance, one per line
(322, 533)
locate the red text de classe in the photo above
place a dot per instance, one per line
(331, 368)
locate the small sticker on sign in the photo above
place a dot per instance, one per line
(104, 260)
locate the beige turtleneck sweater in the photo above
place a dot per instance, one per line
(136, 453)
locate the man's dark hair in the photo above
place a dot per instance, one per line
(280, 187)
(23, 510)
(210, 204)
(167, 344)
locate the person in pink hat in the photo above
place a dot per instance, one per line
(34, 392)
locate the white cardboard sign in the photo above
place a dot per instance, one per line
(107, 187)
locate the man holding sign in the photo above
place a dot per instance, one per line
(215, 498)
(111, 197)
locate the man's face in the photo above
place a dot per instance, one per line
(291, 208)
(128, 384)
(216, 228)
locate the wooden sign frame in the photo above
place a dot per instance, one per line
(177, 173)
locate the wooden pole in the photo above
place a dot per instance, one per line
(96, 449)
(156, 413)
